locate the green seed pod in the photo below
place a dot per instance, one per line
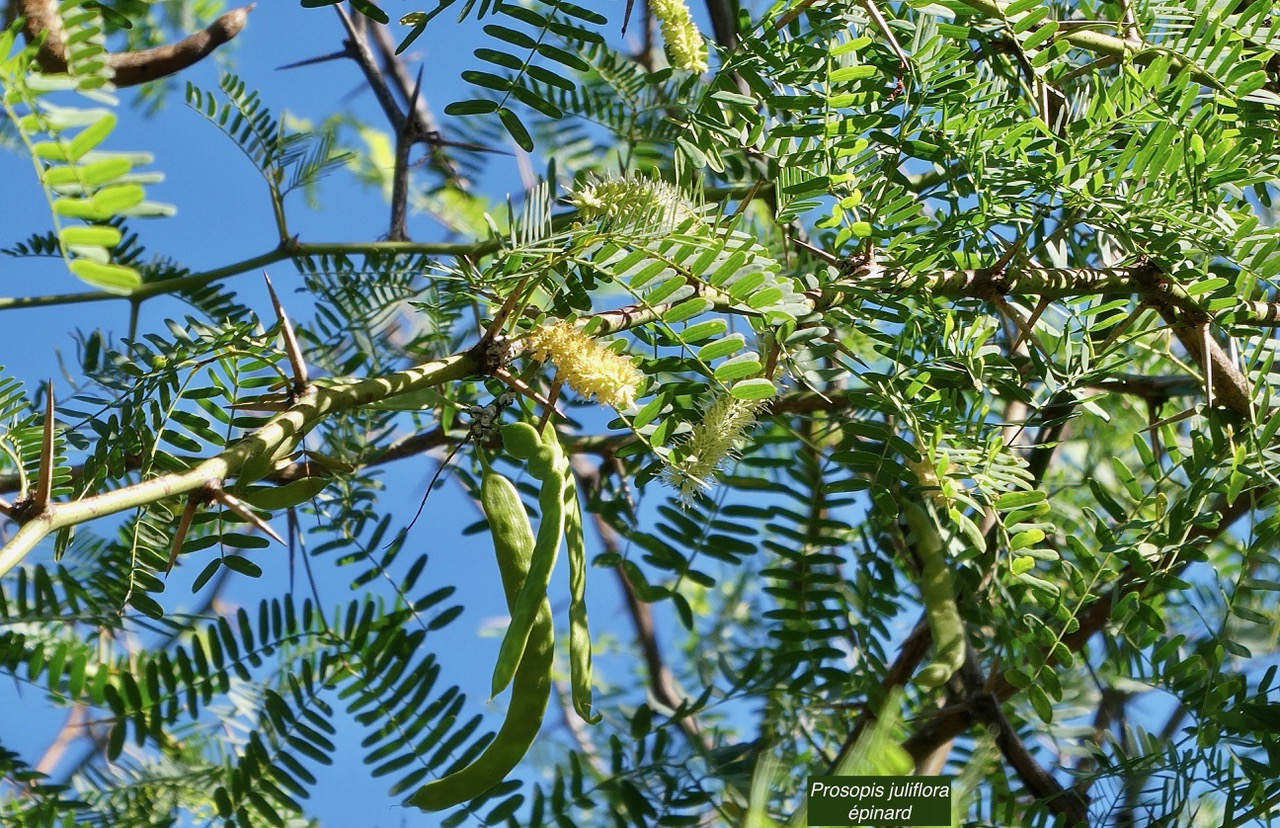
(520, 440)
(550, 536)
(579, 633)
(513, 542)
(542, 464)
(938, 591)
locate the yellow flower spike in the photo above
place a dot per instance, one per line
(714, 439)
(684, 42)
(632, 199)
(586, 366)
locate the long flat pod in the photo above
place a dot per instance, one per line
(939, 593)
(548, 465)
(513, 542)
(579, 632)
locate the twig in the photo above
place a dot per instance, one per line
(724, 22)
(405, 140)
(131, 68)
(72, 728)
(255, 454)
(910, 654)
(364, 58)
(1069, 803)
(399, 230)
(662, 684)
(425, 130)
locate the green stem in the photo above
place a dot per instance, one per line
(289, 249)
(256, 451)
(284, 251)
(1108, 45)
(277, 210)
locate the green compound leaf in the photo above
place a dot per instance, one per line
(757, 388)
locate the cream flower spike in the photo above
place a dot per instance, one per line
(633, 200)
(586, 366)
(714, 440)
(684, 42)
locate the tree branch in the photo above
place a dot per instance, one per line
(1089, 620)
(253, 456)
(606, 445)
(1067, 802)
(1103, 44)
(131, 68)
(289, 250)
(724, 22)
(424, 128)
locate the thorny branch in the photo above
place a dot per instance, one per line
(423, 123)
(253, 456)
(1152, 389)
(412, 126)
(1069, 803)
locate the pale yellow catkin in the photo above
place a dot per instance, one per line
(714, 440)
(684, 42)
(586, 366)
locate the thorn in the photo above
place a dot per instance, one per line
(6, 508)
(1035, 316)
(267, 402)
(413, 101)
(180, 535)
(829, 258)
(44, 483)
(300, 378)
(1120, 327)
(329, 462)
(243, 509)
(433, 138)
(523, 387)
(500, 318)
(1174, 418)
(311, 61)
(1018, 244)
(355, 92)
(786, 19)
(1025, 334)
(746, 200)
(550, 406)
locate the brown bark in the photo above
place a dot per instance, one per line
(131, 68)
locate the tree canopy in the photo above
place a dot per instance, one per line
(908, 366)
